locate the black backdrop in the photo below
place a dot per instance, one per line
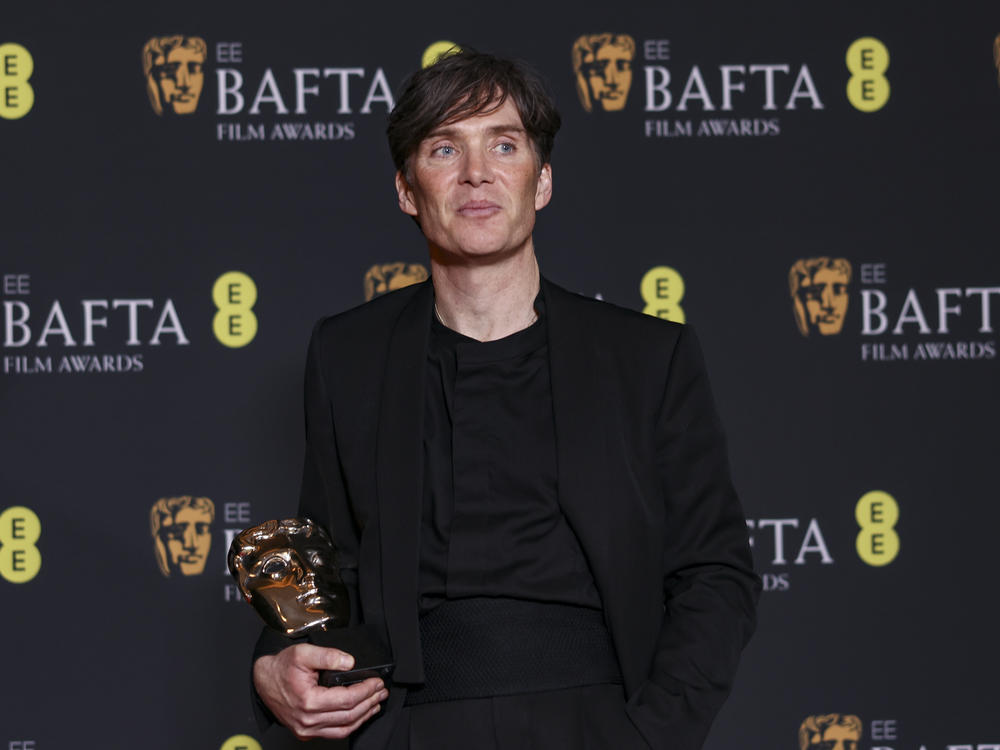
(104, 200)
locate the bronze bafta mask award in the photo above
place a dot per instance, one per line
(286, 571)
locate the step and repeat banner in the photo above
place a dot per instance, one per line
(185, 190)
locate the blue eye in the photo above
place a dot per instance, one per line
(445, 150)
(505, 148)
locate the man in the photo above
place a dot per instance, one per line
(527, 489)
(182, 533)
(175, 73)
(819, 294)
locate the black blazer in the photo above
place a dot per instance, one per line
(642, 479)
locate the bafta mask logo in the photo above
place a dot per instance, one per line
(603, 67)
(287, 571)
(387, 277)
(996, 57)
(830, 732)
(174, 67)
(182, 533)
(819, 294)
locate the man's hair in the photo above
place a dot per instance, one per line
(815, 726)
(465, 84)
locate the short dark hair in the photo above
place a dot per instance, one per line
(464, 84)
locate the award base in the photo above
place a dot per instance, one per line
(371, 657)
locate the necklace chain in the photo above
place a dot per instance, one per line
(437, 313)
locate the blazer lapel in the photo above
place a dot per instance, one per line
(581, 434)
(399, 479)
(592, 470)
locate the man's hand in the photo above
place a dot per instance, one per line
(287, 683)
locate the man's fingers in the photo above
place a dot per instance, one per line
(345, 717)
(337, 732)
(287, 684)
(317, 658)
(323, 700)
(336, 724)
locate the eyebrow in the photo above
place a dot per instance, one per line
(449, 132)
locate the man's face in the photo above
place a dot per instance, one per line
(824, 298)
(187, 539)
(475, 185)
(835, 738)
(293, 582)
(609, 76)
(180, 78)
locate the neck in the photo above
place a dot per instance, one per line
(487, 302)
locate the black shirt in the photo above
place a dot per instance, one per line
(491, 522)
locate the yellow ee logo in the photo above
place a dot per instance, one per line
(20, 559)
(240, 742)
(662, 289)
(867, 88)
(16, 94)
(436, 51)
(234, 295)
(877, 513)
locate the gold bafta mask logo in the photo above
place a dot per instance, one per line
(387, 277)
(182, 533)
(830, 732)
(174, 67)
(996, 57)
(603, 67)
(819, 294)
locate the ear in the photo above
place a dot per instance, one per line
(406, 203)
(543, 190)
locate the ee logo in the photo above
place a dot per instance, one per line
(240, 742)
(877, 513)
(20, 559)
(16, 95)
(662, 289)
(436, 51)
(234, 295)
(867, 88)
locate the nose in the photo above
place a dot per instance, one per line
(476, 168)
(610, 79)
(189, 537)
(826, 301)
(183, 79)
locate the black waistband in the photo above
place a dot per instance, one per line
(482, 647)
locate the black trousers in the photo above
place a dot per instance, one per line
(583, 718)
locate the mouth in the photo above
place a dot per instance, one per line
(478, 209)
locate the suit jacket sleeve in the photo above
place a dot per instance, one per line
(323, 498)
(709, 587)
